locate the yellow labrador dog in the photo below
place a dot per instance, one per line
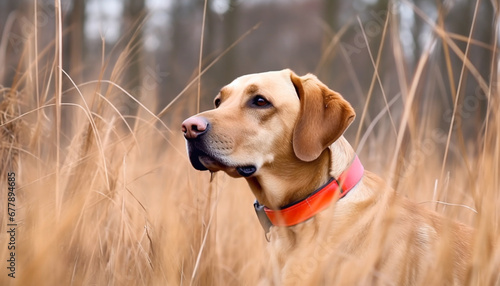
(328, 221)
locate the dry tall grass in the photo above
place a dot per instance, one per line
(103, 202)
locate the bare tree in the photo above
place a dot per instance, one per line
(76, 41)
(134, 14)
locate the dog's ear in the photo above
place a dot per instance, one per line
(323, 118)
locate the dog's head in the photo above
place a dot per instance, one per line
(263, 120)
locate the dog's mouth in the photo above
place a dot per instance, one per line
(207, 161)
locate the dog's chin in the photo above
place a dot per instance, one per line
(204, 162)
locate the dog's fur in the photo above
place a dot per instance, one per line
(294, 144)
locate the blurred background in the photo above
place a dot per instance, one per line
(329, 38)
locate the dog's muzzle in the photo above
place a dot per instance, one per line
(206, 150)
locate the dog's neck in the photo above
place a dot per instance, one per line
(289, 179)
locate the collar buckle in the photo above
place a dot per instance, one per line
(264, 220)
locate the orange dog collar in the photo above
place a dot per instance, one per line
(317, 201)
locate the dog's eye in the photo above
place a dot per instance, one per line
(260, 101)
(217, 102)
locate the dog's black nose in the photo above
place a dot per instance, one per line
(194, 126)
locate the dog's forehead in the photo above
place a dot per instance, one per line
(255, 78)
(272, 82)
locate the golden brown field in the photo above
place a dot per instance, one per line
(103, 198)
